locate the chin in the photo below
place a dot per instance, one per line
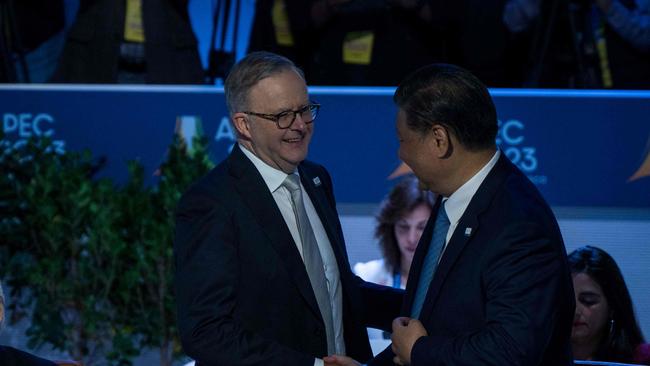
(579, 334)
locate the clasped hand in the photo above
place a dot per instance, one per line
(405, 332)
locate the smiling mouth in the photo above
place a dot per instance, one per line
(294, 140)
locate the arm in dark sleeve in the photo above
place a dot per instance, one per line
(381, 304)
(631, 25)
(524, 283)
(207, 283)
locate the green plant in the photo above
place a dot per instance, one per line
(90, 261)
(61, 252)
(147, 302)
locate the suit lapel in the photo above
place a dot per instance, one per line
(327, 215)
(461, 236)
(259, 200)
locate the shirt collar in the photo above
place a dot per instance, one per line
(272, 177)
(457, 203)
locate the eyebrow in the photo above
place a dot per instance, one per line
(291, 110)
(591, 293)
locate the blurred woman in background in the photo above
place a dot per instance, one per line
(604, 327)
(401, 220)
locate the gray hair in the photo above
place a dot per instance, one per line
(248, 72)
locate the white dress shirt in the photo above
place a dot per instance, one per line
(274, 179)
(457, 203)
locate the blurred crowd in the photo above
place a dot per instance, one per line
(506, 43)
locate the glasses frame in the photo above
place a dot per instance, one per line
(276, 117)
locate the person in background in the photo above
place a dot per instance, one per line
(32, 36)
(131, 42)
(401, 220)
(630, 19)
(609, 41)
(604, 327)
(10, 356)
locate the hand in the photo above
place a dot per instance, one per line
(336, 360)
(405, 332)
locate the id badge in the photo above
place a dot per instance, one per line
(133, 28)
(357, 48)
(283, 34)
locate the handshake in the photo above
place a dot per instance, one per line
(406, 332)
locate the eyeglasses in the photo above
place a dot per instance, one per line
(285, 119)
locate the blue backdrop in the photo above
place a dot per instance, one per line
(580, 148)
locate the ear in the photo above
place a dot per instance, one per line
(442, 141)
(241, 123)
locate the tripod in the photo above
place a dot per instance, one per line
(221, 61)
(11, 50)
(562, 51)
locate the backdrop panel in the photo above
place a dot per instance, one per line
(582, 149)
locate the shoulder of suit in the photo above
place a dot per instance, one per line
(312, 167)
(209, 187)
(17, 357)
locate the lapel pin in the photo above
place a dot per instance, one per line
(316, 181)
(468, 231)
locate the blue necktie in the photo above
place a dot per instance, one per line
(431, 260)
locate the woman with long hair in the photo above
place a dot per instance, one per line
(403, 214)
(604, 327)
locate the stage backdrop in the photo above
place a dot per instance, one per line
(582, 149)
(587, 152)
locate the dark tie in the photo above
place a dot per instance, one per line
(312, 258)
(431, 260)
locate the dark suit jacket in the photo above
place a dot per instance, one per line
(91, 52)
(503, 294)
(243, 293)
(10, 356)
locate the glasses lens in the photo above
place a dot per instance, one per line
(285, 119)
(310, 113)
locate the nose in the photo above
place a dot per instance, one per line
(578, 312)
(414, 236)
(298, 123)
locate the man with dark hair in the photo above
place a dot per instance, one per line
(262, 274)
(489, 283)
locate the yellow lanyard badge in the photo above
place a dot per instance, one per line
(357, 48)
(283, 34)
(133, 27)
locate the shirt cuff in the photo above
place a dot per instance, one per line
(319, 362)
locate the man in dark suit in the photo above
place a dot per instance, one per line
(489, 282)
(10, 356)
(131, 42)
(262, 274)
